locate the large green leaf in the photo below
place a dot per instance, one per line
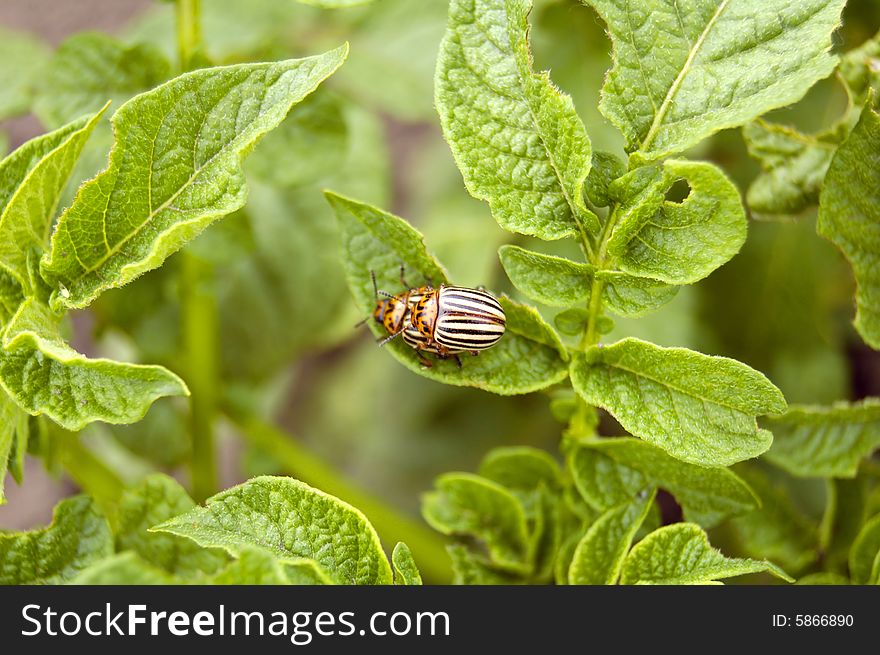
(609, 471)
(681, 554)
(814, 441)
(310, 144)
(864, 558)
(560, 282)
(551, 280)
(676, 242)
(698, 408)
(470, 569)
(794, 166)
(23, 58)
(160, 498)
(78, 536)
(91, 68)
(846, 508)
(719, 64)
(779, 530)
(599, 555)
(258, 566)
(527, 358)
(517, 140)
(465, 504)
(175, 168)
(393, 73)
(292, 520)
(46, 376)
(37, 172)
(292, 245)
(126, 568)
(849, 216)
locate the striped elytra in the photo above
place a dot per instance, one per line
(467, 319)
(444, 321)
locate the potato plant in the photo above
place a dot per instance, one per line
(714, 412)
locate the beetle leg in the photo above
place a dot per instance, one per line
(424, 361)
(474, 352)
(457, 360)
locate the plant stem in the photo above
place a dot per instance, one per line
(90, 474)
(600, 261)
(427, 546)
(200, 325)
(189, 30)
(199, 309)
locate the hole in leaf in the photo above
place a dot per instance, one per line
(678, 192)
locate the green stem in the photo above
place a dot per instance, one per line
(89, 472)
(426, 545)
(200, 326)
(189, 30)
(600, 262)
(199, 309)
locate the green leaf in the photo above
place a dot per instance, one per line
(465, 504)
(610, 471)
(393, 73)
(778, 530)
(605, 169)
(698, 408)
(12, 422)
(88, 69)
(632, 296)
(560, 282)
(849, 216)
(681, 554)
(23, 58)
(516, 139)
(293, 244)
(521, 468)
(257, 566)
(174, 169)
(794, 166)
(335, 4)
(77, 537)
(126, 568)
(864, 558)
(311, 143)
(720, 64)
(292, 520)
(846, 508)
(46, 376)
(815, 441)
(676, 242)
(160, 498)
(405, 570)
(528, 357)
(470, 569)
(554, 281)
(598, 557)
(37, 172)
(824, 578)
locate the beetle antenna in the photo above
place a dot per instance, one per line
(402, 279)
(387, 339)
(375, 286)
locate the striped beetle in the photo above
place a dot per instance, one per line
(445, 321)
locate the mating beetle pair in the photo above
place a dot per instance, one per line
(444, 321)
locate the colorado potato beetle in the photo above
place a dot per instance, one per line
(444, 321)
